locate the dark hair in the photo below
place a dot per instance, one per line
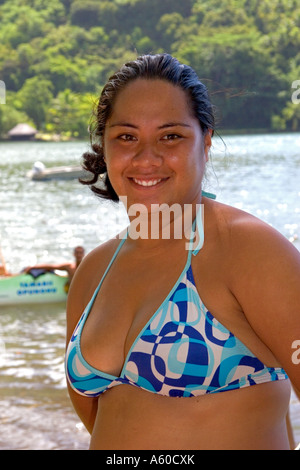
(160, 66)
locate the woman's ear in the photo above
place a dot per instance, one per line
(207, 143)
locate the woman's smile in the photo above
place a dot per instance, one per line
(148, 182)
(154, 147)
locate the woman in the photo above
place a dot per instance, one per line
(185, 341)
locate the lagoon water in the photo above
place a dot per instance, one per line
(42, 222)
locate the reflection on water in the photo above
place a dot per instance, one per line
(42, 222)
(35, 411)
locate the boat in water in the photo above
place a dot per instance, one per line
(40, 172)
(35, 288)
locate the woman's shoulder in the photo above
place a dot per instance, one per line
(252, 248)
(99, 254)
(90, 271)
(242, 229)
(245, 243)
(263, 274)
(96, 261)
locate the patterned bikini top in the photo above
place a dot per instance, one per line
(183, 351)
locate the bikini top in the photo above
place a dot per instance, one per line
(183, 351)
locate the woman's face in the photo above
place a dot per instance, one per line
(154, 147)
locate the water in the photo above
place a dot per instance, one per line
(42, 222)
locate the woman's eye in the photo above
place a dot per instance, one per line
(171, 137)
(126, 137)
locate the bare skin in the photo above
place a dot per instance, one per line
(3, 268)
(246, 273)
(116, 420)
(3, 271)
(70, 268)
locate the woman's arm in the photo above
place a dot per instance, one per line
(85, 407)
(50, 267)
(266, 283)
(83, 285)
(289, 426)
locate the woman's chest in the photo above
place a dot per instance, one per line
(128, 299)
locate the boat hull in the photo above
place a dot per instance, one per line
(25, 289)
(59, 173)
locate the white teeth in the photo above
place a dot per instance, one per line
(147, 183)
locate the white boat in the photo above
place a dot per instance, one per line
(24, 288)
(39, 172)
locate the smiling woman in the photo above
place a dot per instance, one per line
(175, 345)
(164, 68)
(158, 155)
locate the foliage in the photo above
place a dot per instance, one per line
(55, 56)
(67, 113)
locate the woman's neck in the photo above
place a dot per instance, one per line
(161, 225)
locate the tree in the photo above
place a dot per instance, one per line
(246, 51)
(85, 14)
(62, 72)
(239, 74)
(168, 29)
(34, 98)
(69, 114)
(10, 117)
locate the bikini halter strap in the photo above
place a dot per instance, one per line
(197, 232)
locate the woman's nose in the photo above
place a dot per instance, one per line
(147, 155)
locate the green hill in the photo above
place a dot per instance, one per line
(55, 56)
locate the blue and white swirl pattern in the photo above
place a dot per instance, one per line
(182, 352)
